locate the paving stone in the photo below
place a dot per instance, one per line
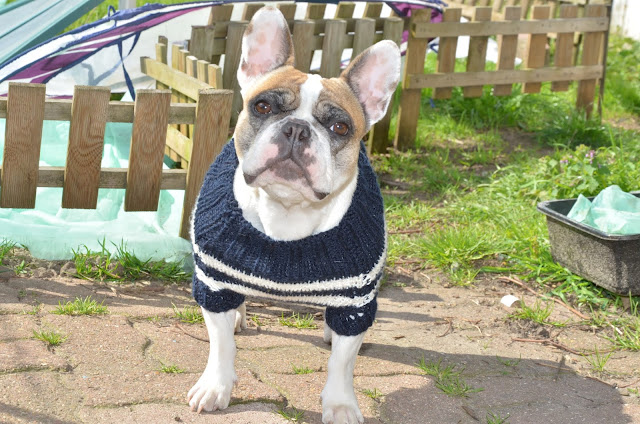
(24, 355)
(14, 327)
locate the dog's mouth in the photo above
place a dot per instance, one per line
(286, 170)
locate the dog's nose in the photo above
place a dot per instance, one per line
(297, 130)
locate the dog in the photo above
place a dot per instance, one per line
(291, 208)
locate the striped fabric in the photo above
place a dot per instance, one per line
(339, 268)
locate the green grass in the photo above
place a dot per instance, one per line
(51, 337)
(79, 306)
(6, 247)
(536, 313)
(496, 418)
(302, 370)
(297, 321)
(447, 378)
(188, 314)
(170, 369)
(598, 360)
(291, 414)
(373, 394)
(123, 265)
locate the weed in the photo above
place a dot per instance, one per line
(79, 306)
(633, 391)
(628, 336)
(597, 360)
(6, 247)
(35, 309)
(188, 314)
(51, 337)
(509, 362)
(170, 369)
(537, 313)
(301, 370)
(297, 321)
(292, 414)
(496, 418)
(20, 268)
(447, 378)
(373, 394)
(256, 320)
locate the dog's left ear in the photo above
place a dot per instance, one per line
(373, 77)
(266, 45)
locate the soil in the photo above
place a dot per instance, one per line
(108, 369)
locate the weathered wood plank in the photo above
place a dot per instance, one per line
(537, 49)
(477, 58)
(364, 36)
(586, 24)
(86, 142)
(147, 150)
(379, 134)
(447, 52)
(23, 135)
(210, 135)
(215, 76)
(173, 78)
(288, 10)
(179, 143)
(220, 13)
(372, 10)
(231, 64)
(564, 46)
(332, 48)
(250, 9)
(315, 11)
(345, 10)
(409, 110)
(507, 48)
(303, 44)
(591, 55)
(459, 79)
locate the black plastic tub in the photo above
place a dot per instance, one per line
(608, 260)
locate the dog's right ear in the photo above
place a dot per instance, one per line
(266, 45)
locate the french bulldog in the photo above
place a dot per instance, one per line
(298, 143)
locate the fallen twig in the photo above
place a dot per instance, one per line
(191, 335)
(558, 301)
(550, 342)
(417, 230)
(449, 328)
(555, 367)
(628, 385)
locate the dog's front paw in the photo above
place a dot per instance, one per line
(341, 410)
(211, 392)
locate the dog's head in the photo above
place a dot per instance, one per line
(298, 135)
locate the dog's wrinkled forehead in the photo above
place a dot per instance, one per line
(291, 90)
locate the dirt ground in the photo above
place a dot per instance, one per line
(108, 369)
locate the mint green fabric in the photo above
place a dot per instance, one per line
(50, 232)
(612, 211)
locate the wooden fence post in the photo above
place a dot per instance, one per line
(332, 48)
(507, 48)
(233, 52)
(211, 131)
(447, 52)
(303, 32)
(411, 98)
(379, 134)
(477, 52)
(537, 49)
(89, 112)
(564, 46)
(150, 120)
(591, 55)
(23, 137)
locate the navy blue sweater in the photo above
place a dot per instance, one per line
(339, 268)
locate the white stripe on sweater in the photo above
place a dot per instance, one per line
(334, 301)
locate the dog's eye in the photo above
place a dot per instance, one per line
(262, 107)
(340, 128)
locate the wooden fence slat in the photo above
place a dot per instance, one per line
(303, 48)
(526, 7)
(364, 35)
(409, 110)
(447, 52)
(587, 24)
(250, 9)
(210, 135)
(591, 55)
(315, 10)
(345, 10)
(202, 73)
(173, 78)
(86, 143)
(204, 43)
(379, 134)
(215, 76)
(231, 63)
(477, 52)
(220, 13)
(464, 79)
(288, 10)
(564, 46)
(507, 48)
(23, 136)
(192, 71)
(332, 48)
(537, 48)
(161, 56)
(147, 150)
(372, 10)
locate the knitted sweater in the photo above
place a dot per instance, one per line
(339, 268)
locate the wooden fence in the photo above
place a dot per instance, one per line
(594, 25)
(201, 62)
(26, 108)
